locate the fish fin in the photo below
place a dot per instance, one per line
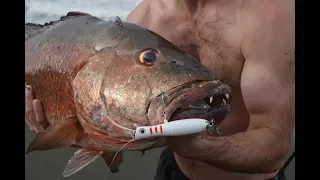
(109, 156)
(57, 135)
(79, 160)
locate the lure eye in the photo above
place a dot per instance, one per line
(142, 131)
(148, 57)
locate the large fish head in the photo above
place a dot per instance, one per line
(136, 75)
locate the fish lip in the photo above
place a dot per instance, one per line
(202, 90)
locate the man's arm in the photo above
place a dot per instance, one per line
(267, 85)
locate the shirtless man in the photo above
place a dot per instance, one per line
(251, 45)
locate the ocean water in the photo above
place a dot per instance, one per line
(41, 11)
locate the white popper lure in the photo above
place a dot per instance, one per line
(173, 128)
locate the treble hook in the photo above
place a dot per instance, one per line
(213, 124)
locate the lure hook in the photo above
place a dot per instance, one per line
(213, 124)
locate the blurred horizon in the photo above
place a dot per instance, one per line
(42, 11)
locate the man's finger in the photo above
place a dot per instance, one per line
(32, 121)
(30, 117)
(37, 106)
(28, 123)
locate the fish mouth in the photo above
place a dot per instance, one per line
(200, 99)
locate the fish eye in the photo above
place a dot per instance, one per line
(142, 130)
(148, 57)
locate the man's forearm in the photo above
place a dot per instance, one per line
(253, 151)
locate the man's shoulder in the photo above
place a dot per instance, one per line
(268, 23)
(153, 15)
(141, 14)
(268, 9)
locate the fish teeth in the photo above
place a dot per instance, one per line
(211, 98)
(224, 102)
(227, 96)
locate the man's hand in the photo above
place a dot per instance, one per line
(34, 113)
(267, 87)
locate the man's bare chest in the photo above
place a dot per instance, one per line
(212, 42)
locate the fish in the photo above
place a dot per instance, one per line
(99, 80)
